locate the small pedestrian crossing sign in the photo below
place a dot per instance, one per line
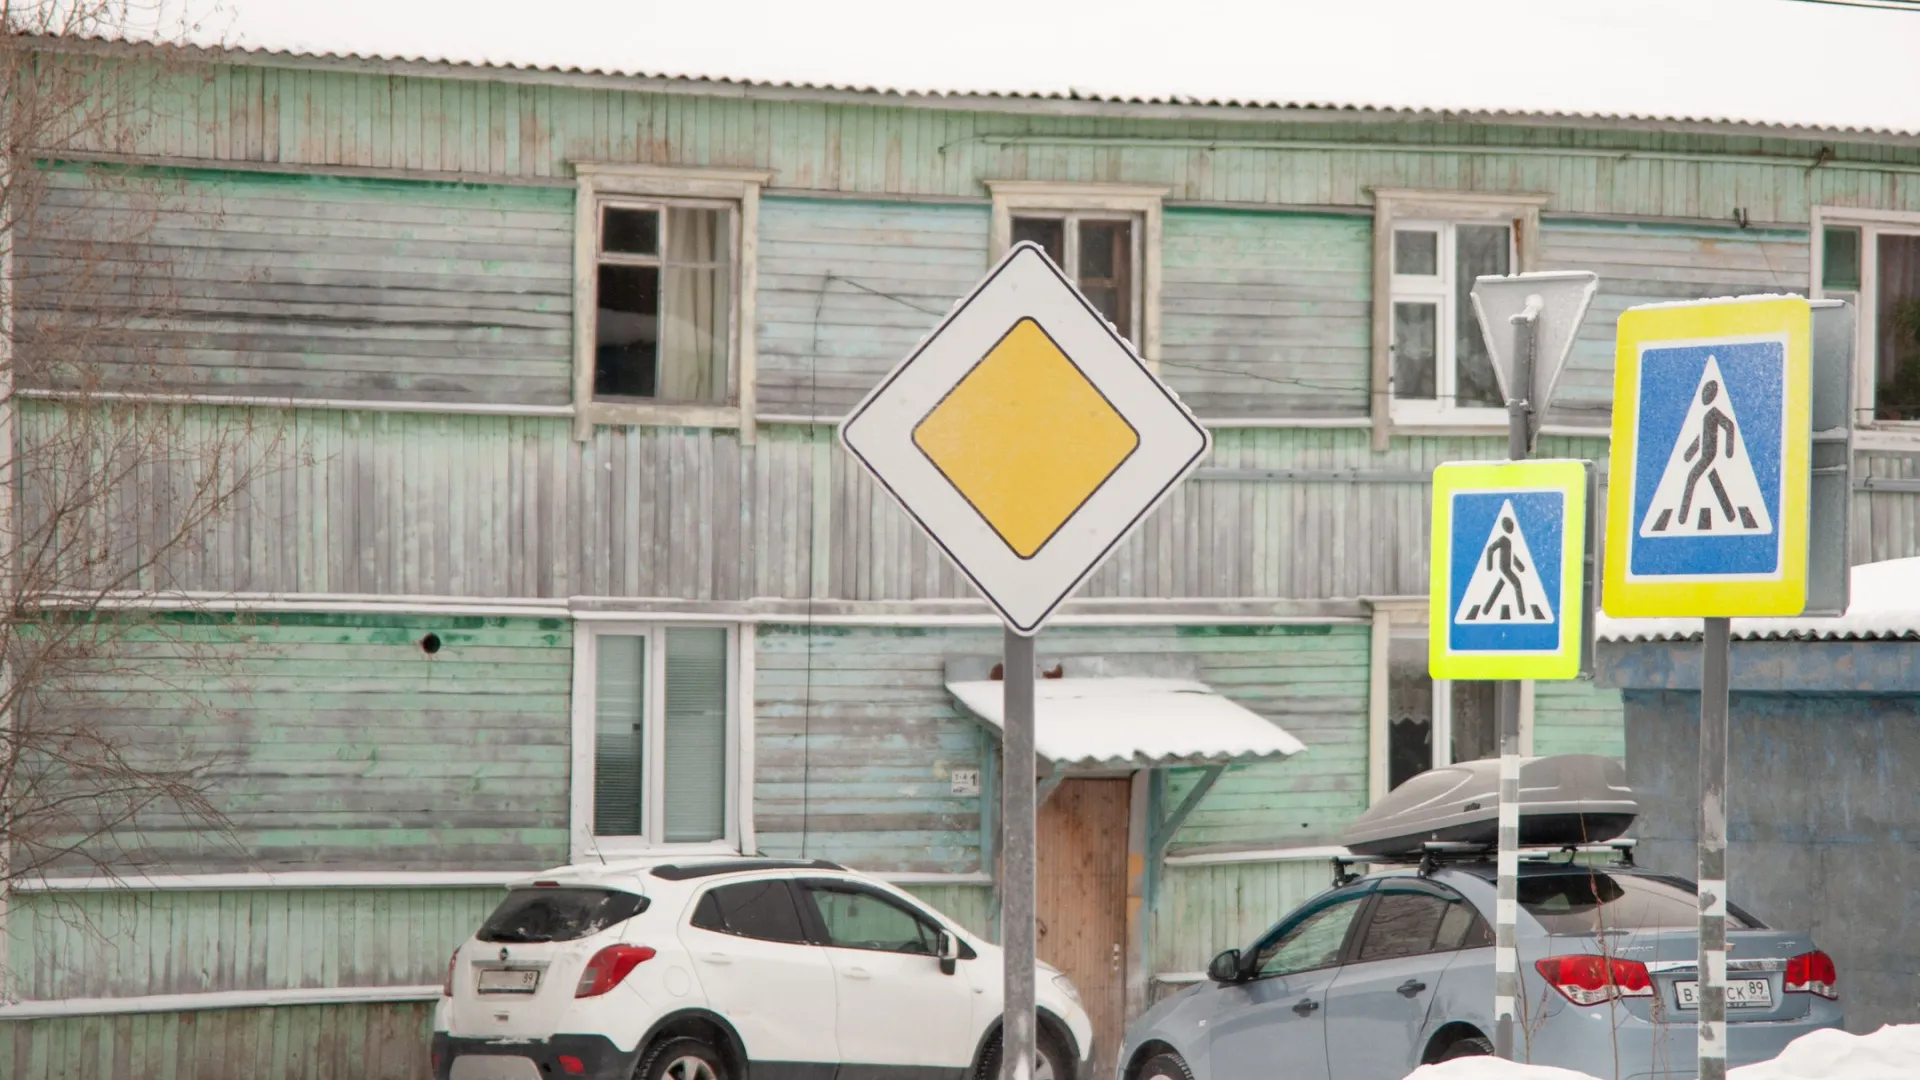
(1708, 491)
(1507, 593)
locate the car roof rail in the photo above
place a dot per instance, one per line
(1435, 853)
(687, 871)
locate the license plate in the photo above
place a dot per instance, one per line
(1741, 994)
(509, 980)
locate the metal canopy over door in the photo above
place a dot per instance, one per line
(1081, 901)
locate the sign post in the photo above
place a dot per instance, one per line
(1027, 439)
(1708, 516)
(1529, 322)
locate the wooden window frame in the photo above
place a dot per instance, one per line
(1394, 207)
(737, 834)
(599, 185)
(1890, 434)
(1406, 617)
(1093, 202)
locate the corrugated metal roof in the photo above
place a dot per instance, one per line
(1885, 607)
(1660, 61)
(1135, 723)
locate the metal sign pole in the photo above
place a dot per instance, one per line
(1715, 679)
(1018, 809)
(1506, 973)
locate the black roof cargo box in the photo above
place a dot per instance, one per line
(1568, 799)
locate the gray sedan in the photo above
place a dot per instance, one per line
(1372, 979)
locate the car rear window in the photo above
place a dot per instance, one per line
(1590, 901)
(548, 914)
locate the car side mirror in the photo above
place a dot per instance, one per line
(949, 952)
(1225, 967)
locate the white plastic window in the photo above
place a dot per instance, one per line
(1440, 369)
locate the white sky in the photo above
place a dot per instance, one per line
(1771, 61)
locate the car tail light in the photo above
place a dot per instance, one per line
(1590, 980)
(608, 967)
(1813, 973)
(571, 1065)
(453, 964)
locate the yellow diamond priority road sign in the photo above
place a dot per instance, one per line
(1025, 437)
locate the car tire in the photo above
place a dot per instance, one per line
(1054, 1063)
(681, 1058)
(1471, 1046)
(1167, 1066)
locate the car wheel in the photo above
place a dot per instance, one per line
(1471, 1046)
(681, 1059)
(1167, 1066)
(1050, 1060)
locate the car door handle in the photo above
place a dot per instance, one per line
(858, 973)
(1411, 987)
(1306, 1006)
(717, 958)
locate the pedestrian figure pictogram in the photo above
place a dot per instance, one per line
(1505, 586)
(1708, 487)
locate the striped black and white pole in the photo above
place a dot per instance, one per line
(1506, 956)
(1712, 984)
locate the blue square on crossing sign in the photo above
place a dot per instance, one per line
(1505, 583)
(1706, 470)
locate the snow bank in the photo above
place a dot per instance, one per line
(1892, 1053)
(1484, 1068)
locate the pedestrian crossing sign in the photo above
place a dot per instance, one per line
(1707, 494)
(1507, 596)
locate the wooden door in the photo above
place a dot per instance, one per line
(1081, 900)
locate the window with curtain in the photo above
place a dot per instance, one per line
(660, 734)
(664, 288)
(1440, 366)
(1097, 253)
(1876, 267)
(1433, 722)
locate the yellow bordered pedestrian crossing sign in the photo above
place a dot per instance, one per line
(1507, 595)
(1025, 437)
(1707, 490)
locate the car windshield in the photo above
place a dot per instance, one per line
(549, 914)
(1592, 901)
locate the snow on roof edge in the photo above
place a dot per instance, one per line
(266, 53)
(1885, 607)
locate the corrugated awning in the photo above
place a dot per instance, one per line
(1135, 723)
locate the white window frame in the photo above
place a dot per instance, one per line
(1405, 617)
(1395, 208)
(738, 832)
(1093, 202)
(600, 185)
(1440, 289)
(1901, 434)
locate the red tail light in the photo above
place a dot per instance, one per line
(1590, 980)
(571, 1065)
(1813, 973)
(453, 963)
(608, 967)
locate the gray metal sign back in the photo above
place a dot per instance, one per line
(1563, 297)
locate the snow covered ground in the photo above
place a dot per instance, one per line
(1892, 1053)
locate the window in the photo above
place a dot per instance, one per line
(654, 737)
(761, 909)
(1875, 265)
(1433, 722)
(1314, 942)
(1589, 901)
(663, 296)
(1409, 920)
(1430, 363)
(1104, 237)
(859, 919)
(1098, 253)
(1440, 360)
(558, 914)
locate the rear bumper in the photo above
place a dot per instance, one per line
(1641, 1050)
(598, 1057)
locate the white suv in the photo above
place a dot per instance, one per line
(732, 969)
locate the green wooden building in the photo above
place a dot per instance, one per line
(550, 552)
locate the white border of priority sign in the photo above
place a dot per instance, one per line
(1506, 525)
(879, 433)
